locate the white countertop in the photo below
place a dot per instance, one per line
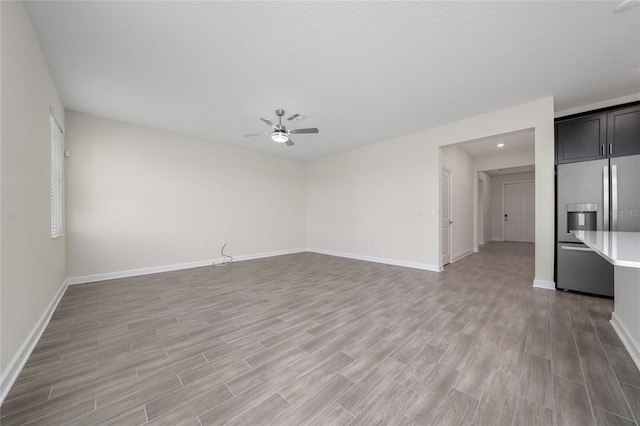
(619, 248)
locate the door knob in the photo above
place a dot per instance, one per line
(450, 221)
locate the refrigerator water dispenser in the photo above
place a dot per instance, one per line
(582, 217)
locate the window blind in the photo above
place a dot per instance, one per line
(56, 178)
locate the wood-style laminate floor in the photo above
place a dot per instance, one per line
(314, 339)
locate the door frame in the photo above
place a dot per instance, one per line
(534, 200)
(446, 169)
(480, 213)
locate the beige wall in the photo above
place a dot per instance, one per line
(497, 183)
(33, 264)
(367, 201)
(142, 198)
(462, 180)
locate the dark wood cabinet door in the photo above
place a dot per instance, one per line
(581, 139)
(623, 128)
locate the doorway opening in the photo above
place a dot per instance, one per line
(475, 201)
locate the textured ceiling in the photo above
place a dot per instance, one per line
(361, 72)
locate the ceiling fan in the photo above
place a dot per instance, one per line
(280, 133)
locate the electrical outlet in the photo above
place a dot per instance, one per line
(203, 245)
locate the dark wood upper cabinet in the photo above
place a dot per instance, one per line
(610, 132)
(623, 132)
(581, 139)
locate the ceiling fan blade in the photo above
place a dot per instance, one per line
(256, 134)
(311, 130)
(289, 142)
(269, 123)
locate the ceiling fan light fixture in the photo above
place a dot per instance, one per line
(279, 137)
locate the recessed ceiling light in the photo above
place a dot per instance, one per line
(500, 145)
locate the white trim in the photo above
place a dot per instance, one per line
(463, 255)
(267, 254)
(200, 263)
(632, 346)
(478, 210)
(497, 239)
(547, 285)
(84, 279)
(174, 267)
(415, 265)
(450, 172)
(10, 374)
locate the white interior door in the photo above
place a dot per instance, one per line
(446, 216)
(519, 211)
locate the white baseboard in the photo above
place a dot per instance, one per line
(497, 239)
(632, 346)
(462, 256)
(415, 265)
(10, 374)
(547, 285)
(266, 254)
(84, 279)
(174, 267)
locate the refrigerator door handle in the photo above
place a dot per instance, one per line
(614, 197)
(570, 248)
(605, 199)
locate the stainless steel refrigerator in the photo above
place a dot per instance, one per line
(594, 195)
